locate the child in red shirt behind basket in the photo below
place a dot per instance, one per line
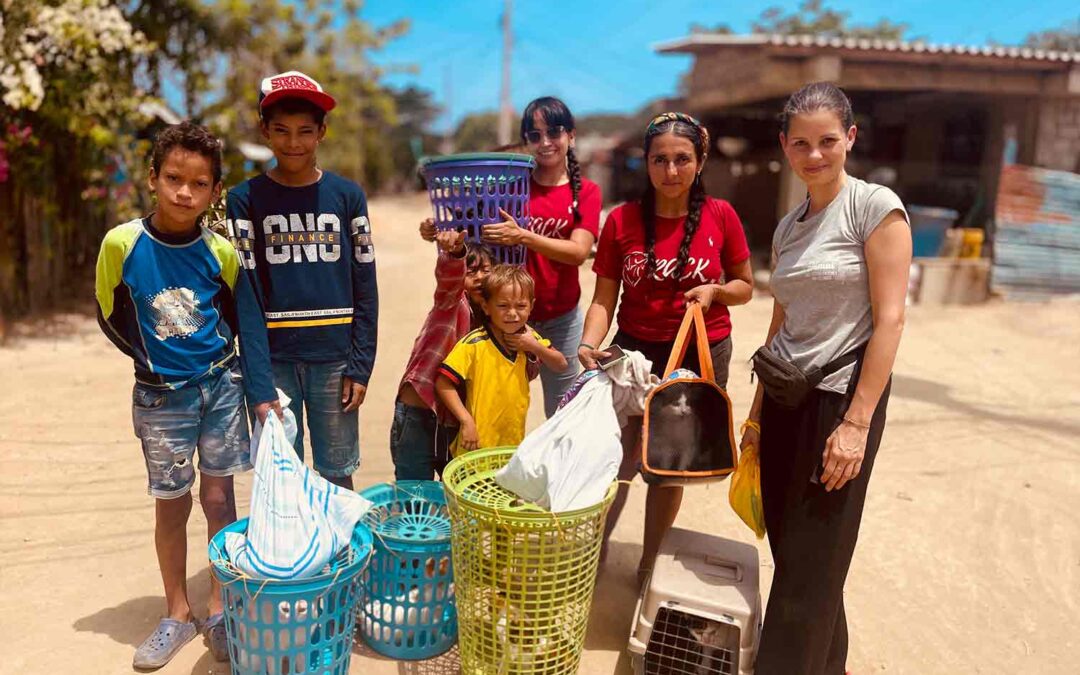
(419, 439)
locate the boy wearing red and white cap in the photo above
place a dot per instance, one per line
(305, 240)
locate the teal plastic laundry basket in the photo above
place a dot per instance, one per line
(406, 608)
(277, 627)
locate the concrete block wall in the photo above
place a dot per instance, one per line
(1057, 144)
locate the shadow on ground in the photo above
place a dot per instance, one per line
(936, 393)
(132, 620)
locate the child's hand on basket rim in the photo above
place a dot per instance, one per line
(450, 241)
(427, 229)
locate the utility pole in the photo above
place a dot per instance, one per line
(447, 145)
(506, 108)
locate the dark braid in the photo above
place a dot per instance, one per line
(693, 219)
(648, 220)
(573, 169)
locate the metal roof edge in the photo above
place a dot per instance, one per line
(696, 41)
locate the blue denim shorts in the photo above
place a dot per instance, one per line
(315, 388)
(207, 416)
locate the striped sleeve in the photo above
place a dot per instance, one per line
(109, 291)
(457, 366)
(110, 264)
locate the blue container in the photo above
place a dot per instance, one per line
(467, 191)
(406, 608)
(928, 227)
(299, 626)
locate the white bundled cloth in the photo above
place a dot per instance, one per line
(631, 380)
(289, 423)
(570, 460)
(298, 521)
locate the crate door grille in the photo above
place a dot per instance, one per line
(673, 649)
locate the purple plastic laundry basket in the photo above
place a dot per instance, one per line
(467, 191)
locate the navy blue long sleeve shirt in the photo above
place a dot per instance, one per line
(309, 255)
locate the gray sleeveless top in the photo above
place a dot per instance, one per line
(820, 277)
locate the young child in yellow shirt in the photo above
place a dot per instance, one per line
(484, 382)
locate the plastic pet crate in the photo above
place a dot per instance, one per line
(406, 608)
(700, 612)
(468, 190)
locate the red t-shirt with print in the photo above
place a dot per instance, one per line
(551, 214)
(653, 306)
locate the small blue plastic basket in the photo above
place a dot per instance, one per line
(291, 627)
(406, 608)
(467, 191)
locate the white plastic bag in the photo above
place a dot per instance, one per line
(289, 423)
(298, 521)
(569, 462)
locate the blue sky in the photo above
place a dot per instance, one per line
(597, 54)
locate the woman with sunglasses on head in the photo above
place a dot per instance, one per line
(564, 219)
(674, 246)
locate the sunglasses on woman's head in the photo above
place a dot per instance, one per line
(553, 133)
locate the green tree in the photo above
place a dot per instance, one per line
(1063, 39)
(186, 34)
(327, 39)
(477, 132)
(814, 18)
(411, 138)
(69, 104)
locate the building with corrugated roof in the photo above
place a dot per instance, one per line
(935, 121)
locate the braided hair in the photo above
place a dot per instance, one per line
(687, 127)
(555, 113)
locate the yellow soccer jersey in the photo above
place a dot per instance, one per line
(496, 387)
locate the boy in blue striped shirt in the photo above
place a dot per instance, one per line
(171, 295)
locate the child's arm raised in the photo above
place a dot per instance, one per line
(531, 343)
(449, 268)
(449, 397)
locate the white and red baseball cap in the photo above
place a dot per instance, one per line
(294, 84)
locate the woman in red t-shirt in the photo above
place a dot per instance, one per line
(564, 218)
(676, 245)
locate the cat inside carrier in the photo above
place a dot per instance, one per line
(683, 642)
(700, 611)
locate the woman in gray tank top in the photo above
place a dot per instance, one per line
(840, 271)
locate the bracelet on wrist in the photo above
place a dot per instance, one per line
(586, 345)
(750, 424)
(855, 424)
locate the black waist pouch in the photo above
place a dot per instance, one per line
(789, 385)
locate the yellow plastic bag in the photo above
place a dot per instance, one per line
(744, 493)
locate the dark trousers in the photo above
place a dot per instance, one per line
(812, 534)
(419, 443)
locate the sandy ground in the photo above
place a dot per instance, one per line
(969, 560)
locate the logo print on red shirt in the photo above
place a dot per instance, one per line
(634, 268)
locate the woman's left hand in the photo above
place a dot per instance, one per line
(506, 233)
(703, 295)
(843, 456)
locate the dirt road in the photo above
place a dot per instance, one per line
(969, 560)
